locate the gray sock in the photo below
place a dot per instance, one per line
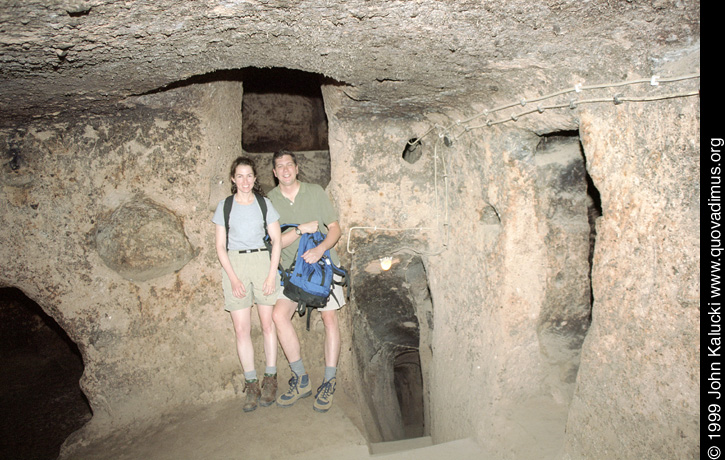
(270, 370)
(329, 373)
(297, 367)
(251, 375)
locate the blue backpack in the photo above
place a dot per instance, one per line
(310, 285)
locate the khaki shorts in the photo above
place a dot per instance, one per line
(335, 302)
(251, 269)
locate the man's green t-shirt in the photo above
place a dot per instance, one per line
(311, 203)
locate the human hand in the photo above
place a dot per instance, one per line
(309, 227)
(269, 285)
(311, 256)
(238, 289)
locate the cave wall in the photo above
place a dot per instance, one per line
(154, 341)
(563, 208)
(487, 272)
(108, 228)
(279, 115)
(638, 389)
(508, 274)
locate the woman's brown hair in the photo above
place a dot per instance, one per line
(245, 161)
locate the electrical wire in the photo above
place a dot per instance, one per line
(653, 81)
(572, 104)
(445, 132)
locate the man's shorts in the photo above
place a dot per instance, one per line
(335, 302)
(251, 269)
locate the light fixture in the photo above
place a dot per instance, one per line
(386, 263)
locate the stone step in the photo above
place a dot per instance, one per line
(407, 449)
(424, 449)
(389, 447)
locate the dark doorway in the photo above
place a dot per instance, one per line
(40, 398)
(283, 109)
(408, 381)
(391, 341)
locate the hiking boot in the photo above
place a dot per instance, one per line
(299, 387)
(253, 393)
(323, 399)
(269, 390)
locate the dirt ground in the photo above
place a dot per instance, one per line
(224, 432)
(42, 405)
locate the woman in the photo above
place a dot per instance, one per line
(250, 276)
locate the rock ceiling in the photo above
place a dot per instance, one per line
(396, 58)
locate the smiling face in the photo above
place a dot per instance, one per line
(244, 178)
(285, 170)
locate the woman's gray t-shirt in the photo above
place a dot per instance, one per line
(245, 224)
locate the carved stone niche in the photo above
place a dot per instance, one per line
(142, 240)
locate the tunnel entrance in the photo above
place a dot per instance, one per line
(284, 109)
(393, 318)
(408, 381)
(40, 397)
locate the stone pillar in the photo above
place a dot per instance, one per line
(638, 388)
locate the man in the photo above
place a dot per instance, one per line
(308, 206)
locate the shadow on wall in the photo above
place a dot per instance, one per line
(569, 204)
(40, 399)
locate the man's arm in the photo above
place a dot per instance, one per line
(289, 236)
(333, 236)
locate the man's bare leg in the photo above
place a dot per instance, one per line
(284, 309)
(300, 386)
(332, 337)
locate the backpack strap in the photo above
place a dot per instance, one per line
(263, 207)
(229, 202)
(227, 211)
(284, 275)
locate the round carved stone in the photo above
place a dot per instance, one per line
(143, 240)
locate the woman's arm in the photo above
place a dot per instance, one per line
(221, 252)
(275, 236)
(288, 237)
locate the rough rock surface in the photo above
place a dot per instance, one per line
(395, 58)
(563, 212)
(142, 240)
(640, 361)
(103, 101)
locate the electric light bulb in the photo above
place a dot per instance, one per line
(386, 263)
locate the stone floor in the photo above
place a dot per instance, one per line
(41, 404)
(224, 432)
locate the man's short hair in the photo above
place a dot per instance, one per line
(280, 154)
